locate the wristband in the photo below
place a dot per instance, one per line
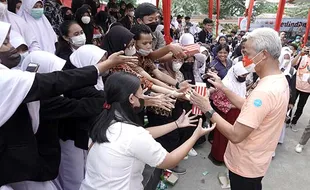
(177, 85)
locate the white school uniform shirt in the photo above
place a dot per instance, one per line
(42, 28)
(118, 164)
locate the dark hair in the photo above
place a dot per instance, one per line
(295, 46)
(139, 29)
(113, 6)
(64, 31)
(187, 18)
(221, 47)
(228, 36)
(129, 6)
(221, 38)
(117, 89)
(122, 3)
(145, 9)
(179, 17)
(12, 5)
(233, 32)
(87, 28)
(102, 19)
(207, 21)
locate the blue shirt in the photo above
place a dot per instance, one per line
(220, 67)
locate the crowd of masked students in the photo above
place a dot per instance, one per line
(104, 95)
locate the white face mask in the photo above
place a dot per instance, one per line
(79, 40)
(143, 52)
(3, 8)
(286, 62)
(85, 19)
(130, 51)
(131, 13)
(176, 66)
(22, 57)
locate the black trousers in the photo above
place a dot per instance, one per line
(303, 97)
(242, 183)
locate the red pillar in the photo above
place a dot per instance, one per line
(167, 13)
(279, 15)
(250, 10)
(210, 9)
(217, 16)
(307, 29)
(157, 3)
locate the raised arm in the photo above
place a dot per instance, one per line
(56, 83)
(61, 107)
(235, 99)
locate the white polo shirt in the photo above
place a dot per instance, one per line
(118, 164)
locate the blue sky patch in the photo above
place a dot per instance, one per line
(258, 103)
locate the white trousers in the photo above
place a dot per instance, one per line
(72, 165)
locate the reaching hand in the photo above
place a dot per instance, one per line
(215, 80)
(200, 101)
(185, 121)
(200, 131)
(118, 58)
(162, 101)
(177, 51)
(185, 84)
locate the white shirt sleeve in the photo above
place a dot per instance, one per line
(146, 149)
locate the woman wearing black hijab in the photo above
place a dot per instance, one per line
(67, 13)
(83, 18)
(117, 39)
(102, 19)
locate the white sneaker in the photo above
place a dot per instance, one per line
(186, 157)
(293, 127)
(299, 148)
(192, 152)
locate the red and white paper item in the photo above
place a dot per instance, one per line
(201, 88)
(191, 49)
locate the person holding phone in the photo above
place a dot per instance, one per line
(302, 86)
(19, 88)
(254, 136)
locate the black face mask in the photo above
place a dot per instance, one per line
(153, 26)
(68, 17)
(141, 107)
(10, 58)
(241, 79)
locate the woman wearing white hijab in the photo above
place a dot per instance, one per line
(285, 61)
(186, 39)
(89, 55)
(72, 166)
(18, 161)
(19, 25)
(32, 12)
(235, 81)
(47, 63)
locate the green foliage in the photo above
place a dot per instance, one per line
(233, 8)
(185, 7)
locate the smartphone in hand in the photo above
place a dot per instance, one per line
(33, 67)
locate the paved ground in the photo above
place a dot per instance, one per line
(288, 170)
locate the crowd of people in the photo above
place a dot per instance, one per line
(90, 96)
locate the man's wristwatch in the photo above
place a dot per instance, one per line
(209, 114)
(177, 85)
